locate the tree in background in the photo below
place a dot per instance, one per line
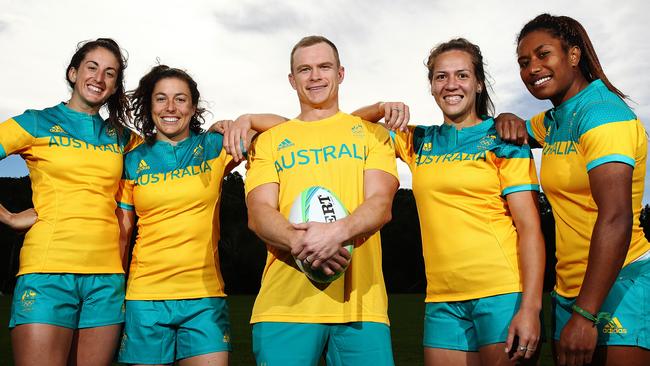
(243, 254)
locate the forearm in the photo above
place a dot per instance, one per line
(368, 218)
(126, 221)
(5, 215)
(264, 121)
(532, 257)
(609, 245)
(269, 224)
(372, 113)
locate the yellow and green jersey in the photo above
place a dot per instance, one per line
(174, 190)
(460, 182)
(75, 164)
(333, 153)
(592, 128)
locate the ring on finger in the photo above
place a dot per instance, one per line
(523, 348)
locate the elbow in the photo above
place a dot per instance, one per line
(386, 217)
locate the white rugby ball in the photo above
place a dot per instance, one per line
(320, 205)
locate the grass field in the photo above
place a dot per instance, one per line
(406, 313)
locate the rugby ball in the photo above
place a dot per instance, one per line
(320, 205)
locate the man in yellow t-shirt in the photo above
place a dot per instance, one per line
(296, 320)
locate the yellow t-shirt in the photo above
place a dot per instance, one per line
(333, 153)
(75, 164)
(174, 191)
(460, 182)
(594, 127)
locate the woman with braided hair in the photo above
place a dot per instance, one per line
(593, 170)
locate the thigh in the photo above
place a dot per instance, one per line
(102, 300)
(212, 359)
(51, 341)
(289, 344)
(149, 336)
(203, 327)
(94, 346)
(359, 344)
(46, 299)
(628, 302)
(447, 325)
(446, 357)
(621, 356)
(492, 316)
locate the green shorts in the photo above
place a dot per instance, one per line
(628, 302)
(68, 300)
(471, 324)
(163, 331)
(302, 344)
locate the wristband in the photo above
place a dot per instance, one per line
(597, 319)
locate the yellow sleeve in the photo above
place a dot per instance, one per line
(403, 141)
(516, 175)
(612, 142)
(14, 137)
(536, 128)
(381, 153)
(261, 165)
(124, 195)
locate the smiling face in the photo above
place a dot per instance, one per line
(547, 69)
(316, 76)
(95, 80)
(172, 109)
(455, 87)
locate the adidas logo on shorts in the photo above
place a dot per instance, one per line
(614, 326)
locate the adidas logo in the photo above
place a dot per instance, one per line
(142, 165)
(284, 144)
(57, 129)
(614, 326)
(197, 151)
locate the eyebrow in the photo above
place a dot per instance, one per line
(446, 72)
(96, 64)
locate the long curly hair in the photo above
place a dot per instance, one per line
(141, 101)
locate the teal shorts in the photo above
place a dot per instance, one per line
(163, 331)
(471, 324)
(629, 303)
(68, 300)
(303, 344)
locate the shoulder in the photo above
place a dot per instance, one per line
(601, 107)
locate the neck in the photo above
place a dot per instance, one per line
(579, 83)
(172, 139)
(315, 113)
(461, 122)
(78, 105)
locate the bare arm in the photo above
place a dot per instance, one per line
(126, 221)
(526, 324)
(396, 115)
(322, 240)
(267, 222)
(512, 129)
(611, 188)
(20, 221)
(239, 133)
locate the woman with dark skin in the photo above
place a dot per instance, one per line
(593, 168)
(67, 305)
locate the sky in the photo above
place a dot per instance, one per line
(238, 51)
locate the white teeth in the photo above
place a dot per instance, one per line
(94, 88)
(542, 80)
(453, 99)
(170, 119)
